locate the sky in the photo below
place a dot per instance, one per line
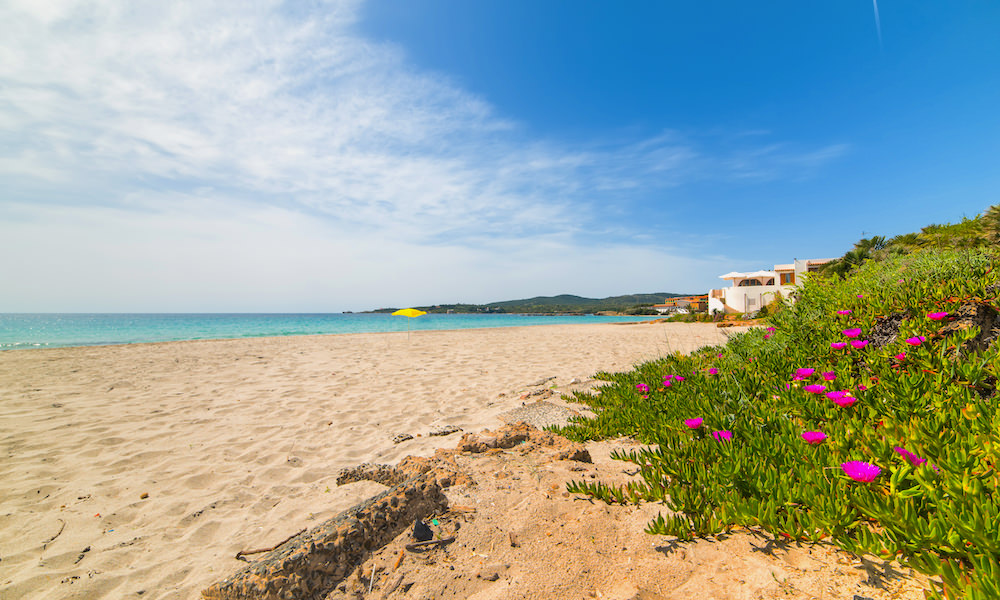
(314, 156)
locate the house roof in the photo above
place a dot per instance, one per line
(738, 275)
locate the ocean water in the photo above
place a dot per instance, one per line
(59, 330)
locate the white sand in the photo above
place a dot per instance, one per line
(237, 442)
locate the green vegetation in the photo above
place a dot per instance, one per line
(866, 415)
(980, 232)
(636, 304)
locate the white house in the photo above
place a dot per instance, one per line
(751, 291)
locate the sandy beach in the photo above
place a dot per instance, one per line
(141, 470)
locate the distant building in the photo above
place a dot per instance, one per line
(683, 305)
(751, 291)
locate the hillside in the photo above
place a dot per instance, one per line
(562, 304)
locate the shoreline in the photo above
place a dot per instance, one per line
(237, 441)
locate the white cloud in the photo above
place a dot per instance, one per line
(264, 156)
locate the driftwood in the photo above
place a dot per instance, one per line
(242, 553)
(311, 564)
(53, 538)
(418, 545)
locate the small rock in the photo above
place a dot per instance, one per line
(402, 437)
(450, 429)
(421, 532)
(143, 496)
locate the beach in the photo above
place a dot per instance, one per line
(147, 467)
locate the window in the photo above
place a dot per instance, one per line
(749, 282)
(788, 279)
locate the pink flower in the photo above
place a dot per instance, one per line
(771, 329)
(804, 372)
(862, 388)
(861, 295)
(815, 388)
(844, 401)
(767, 335)
(678, 378)
(916, 340)
(913, 458)
(667, 383)
(936, 316)
(836, 395)
(900, 356)
(713, 371)
(693, 423)
(838, 345)
(851, 333)
(860, 471)
(642, 387)
(829, 375)
(722, 436)
(845, 311)
(859, 344)
(813, 437)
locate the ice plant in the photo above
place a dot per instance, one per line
(845, 311)
(802, 373)
(859, 344)
(862, 387)
(851, 333)
(900, 356)
(829, 375)
(936, 316)
(913, 458)
(713, 371)
(815, 388)
(693, 423)
(844, 401)
(771, 329)
(642, 387)
(813, 437)
(860, 470)
(916, 340)
(723, 436)
(838, 345)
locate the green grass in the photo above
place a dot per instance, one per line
(941, 516)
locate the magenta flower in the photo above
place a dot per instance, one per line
(813, 437)
(851, 333)
(829, 375)
(804, 372)
(767, 335)
(693, 423)
(713, 371)
(913, 458)
(859, 344)
(771, 329)
(845, 311)
(844, 401)
(836, 395)
(642, 387)
(916, 340)
(862, 387)
(936, 316)
(861, 295)
(722, 436)
(900, 356)
(860, 471)
(815, 388)
(678, 378)
(667, 383)
(838, 345)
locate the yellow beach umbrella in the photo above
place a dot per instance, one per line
(409, 313)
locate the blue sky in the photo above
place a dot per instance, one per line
(327, 156)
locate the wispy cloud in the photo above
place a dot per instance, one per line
(212, 126)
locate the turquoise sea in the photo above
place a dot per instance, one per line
(58, 330)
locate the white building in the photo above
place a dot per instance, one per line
(751, 291)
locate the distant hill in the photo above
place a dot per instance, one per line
(562, 304)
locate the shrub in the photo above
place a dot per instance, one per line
(884, 440)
